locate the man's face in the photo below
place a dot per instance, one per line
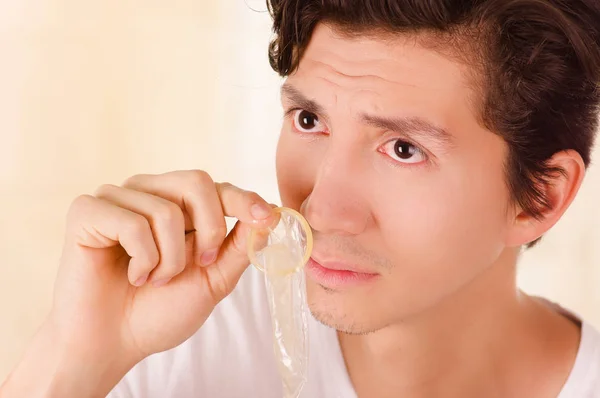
(382, 152)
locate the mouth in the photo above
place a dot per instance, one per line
(338, 274)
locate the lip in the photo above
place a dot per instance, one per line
(337, 274)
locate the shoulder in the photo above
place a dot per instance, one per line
(584, 380)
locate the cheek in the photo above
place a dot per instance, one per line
(296, 168)
(455, 221)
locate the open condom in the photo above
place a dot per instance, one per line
(281, 251)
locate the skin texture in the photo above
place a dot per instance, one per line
(437, 227)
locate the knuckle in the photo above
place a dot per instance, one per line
(219, 284)
(82, 200)
(132, 181)
(152, 257)
(80, 203)
(136, 226)
(169, 268)
(103, 190)
(230, 192)
(167, 214)
(213, 237)
(226, 185)
(200, 178)
(253, 197)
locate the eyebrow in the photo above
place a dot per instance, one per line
(294, 95)
(413, 127)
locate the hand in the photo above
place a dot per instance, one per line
(131, 281)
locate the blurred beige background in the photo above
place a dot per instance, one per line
(92, 92)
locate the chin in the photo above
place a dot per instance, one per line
(342, 310)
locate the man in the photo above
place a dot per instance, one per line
(426, 143)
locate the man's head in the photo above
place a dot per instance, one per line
(426, 140)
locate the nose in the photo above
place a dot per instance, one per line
(336, 204)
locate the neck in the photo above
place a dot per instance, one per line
(486, 336)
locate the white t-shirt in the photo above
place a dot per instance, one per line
(231, 356)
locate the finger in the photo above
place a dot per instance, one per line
(195, 194)
(96, 223)
(225, 273)
(198, 195)
(246, 206)
(166, 221)
(261, 237)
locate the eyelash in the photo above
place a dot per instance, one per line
(291, 113)
(396, 163)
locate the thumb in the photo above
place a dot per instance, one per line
(224, 274)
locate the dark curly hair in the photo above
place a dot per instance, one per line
(538, 64)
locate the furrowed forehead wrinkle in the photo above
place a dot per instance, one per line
(460, 45)
(416, 127)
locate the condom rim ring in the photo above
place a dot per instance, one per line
(305, 226)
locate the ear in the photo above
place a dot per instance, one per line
(560, 190)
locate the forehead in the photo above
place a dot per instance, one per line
(392, 73)
(394, 57)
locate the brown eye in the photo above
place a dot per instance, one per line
(307, 122)
(403, 152)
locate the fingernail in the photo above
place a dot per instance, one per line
(209, 257)
(260, 212)
(161, 282)
(141, 280)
